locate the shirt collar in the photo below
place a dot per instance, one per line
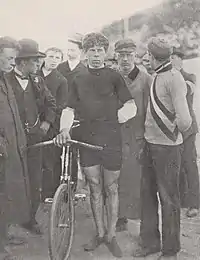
(73, 64)
(18, 71)
(46, 72)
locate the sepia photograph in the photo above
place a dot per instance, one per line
(99, 130)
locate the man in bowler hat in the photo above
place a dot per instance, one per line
(37, 110)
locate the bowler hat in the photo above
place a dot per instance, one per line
(29, 49)
(125, 45)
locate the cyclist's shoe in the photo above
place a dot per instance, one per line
(144, 251)
(94, 243)
(114, 247)
(122, 225)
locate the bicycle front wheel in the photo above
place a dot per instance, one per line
(61, 226)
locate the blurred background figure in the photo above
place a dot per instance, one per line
(189, 176)
(111, 62)
(146, 63)
(51, 156)
(70, 69)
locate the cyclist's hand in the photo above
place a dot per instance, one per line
(62, 138)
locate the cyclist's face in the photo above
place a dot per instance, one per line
(96, 56)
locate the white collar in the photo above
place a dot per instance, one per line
(18, 71)
(103, 66)
(73, 64)
(46, 72)
(23, 82)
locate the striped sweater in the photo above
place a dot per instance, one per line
(171, 90)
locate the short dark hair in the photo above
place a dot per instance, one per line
(8, 42)
(55, 49)
(95, 39)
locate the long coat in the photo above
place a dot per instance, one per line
(46, 106)
(58, 86)
(138, 83)
(14, 188)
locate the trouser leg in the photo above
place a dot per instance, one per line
(166, 161)
(189, 158)
(149, 227)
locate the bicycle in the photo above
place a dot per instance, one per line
(62, 214)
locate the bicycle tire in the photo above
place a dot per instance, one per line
(62, 199)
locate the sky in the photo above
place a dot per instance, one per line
(50, 22)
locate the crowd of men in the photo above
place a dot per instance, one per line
(144, 120)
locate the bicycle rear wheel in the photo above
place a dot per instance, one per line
(61, 225)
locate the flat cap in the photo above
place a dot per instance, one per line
(159, 48)
(125, 45)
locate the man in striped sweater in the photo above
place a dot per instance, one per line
(167, 118)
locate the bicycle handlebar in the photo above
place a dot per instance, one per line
(90, 146)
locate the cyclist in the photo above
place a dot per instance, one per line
(96, 95)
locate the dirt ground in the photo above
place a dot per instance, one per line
(37, 247)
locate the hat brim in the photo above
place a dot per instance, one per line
(125, 50)
(32, 55)
(179, 54)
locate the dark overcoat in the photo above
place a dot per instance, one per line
(14, 186)
(46, 106)
(138, 83)
(51, 156)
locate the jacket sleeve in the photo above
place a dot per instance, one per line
(178, 91)
(49, 104)
(142, 104)
(188, 76)
(61, 96)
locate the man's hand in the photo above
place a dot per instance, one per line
(62, 137)
(44, 127)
